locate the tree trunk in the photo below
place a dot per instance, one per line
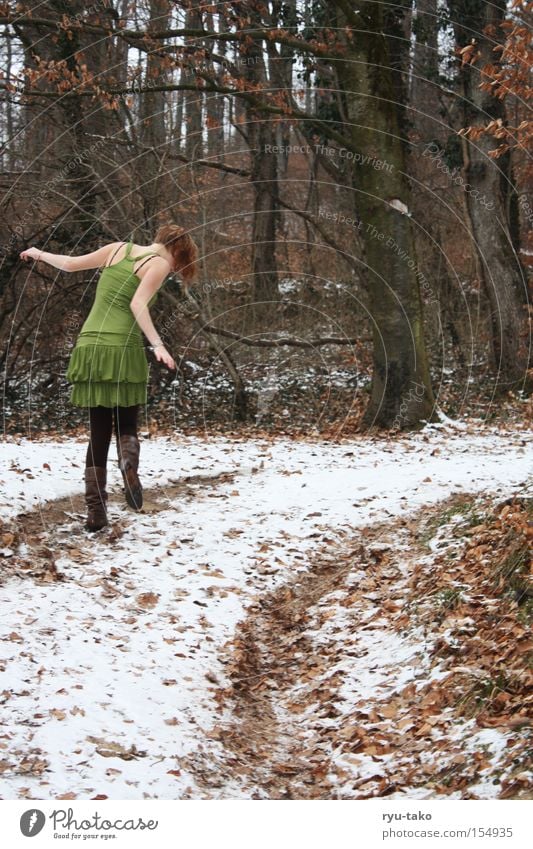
(263, 178)
(401, 395)
(60, 141)
(284, 16)
(487, 197)
(424, 78)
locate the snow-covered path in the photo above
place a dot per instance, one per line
(109, 675)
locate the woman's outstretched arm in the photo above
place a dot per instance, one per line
(96, 259)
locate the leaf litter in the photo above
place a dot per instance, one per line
(311, 668)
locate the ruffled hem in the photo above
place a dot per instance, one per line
(110, 394)
(95, 363)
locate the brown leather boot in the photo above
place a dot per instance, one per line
(128, 449)
(95, 497)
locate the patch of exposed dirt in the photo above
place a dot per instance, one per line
(36, 540)
(288, 722)
(286, 671)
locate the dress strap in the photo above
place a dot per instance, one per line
(141, 256)
(145, 261)
(114, 255)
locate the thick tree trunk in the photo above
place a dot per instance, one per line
(401, 395)
(424, 77)
(487, 197)
(263, 178)
(280, 71)
(64, 141)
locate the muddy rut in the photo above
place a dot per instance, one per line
(278, 745)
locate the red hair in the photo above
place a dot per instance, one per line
(182, 248)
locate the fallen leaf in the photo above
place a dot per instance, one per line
(15, 638)
(58, 714)
(114, 750)
(147, 600)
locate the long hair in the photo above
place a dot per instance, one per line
(182, 248)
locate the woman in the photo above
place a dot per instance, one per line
(108, 366)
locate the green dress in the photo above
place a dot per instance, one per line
(108, 365)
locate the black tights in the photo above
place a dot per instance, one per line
(101, 425)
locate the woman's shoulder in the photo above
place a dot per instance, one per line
(115, 253)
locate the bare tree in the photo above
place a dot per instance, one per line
(490, 184)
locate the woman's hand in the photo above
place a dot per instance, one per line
(31, 253)
(162, 355)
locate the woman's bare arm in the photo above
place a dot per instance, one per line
(96, 259)
(152, 281)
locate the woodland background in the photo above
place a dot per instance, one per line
(357, 176)
(315, 602)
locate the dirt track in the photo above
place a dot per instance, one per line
(279, 745)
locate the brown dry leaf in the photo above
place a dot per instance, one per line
(349, 732)
(511, 789)
(389, 711)
(35, 766)
(214, 733)
(115, 750)
(296, 707)
(286, 769)
(57, 714)
(424, 729)
(15, 638)
(233, 532)
(76, 554)
(172, 721)
(67, 796)
(504, 720)
(117, 531)
(8, 540)
(147, 600)
(108, 590)
(50, 574)
(370, 784)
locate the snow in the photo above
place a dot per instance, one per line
(90, 663)
(447, 422)
(422, 469)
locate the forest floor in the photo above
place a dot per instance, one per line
(284, 619)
